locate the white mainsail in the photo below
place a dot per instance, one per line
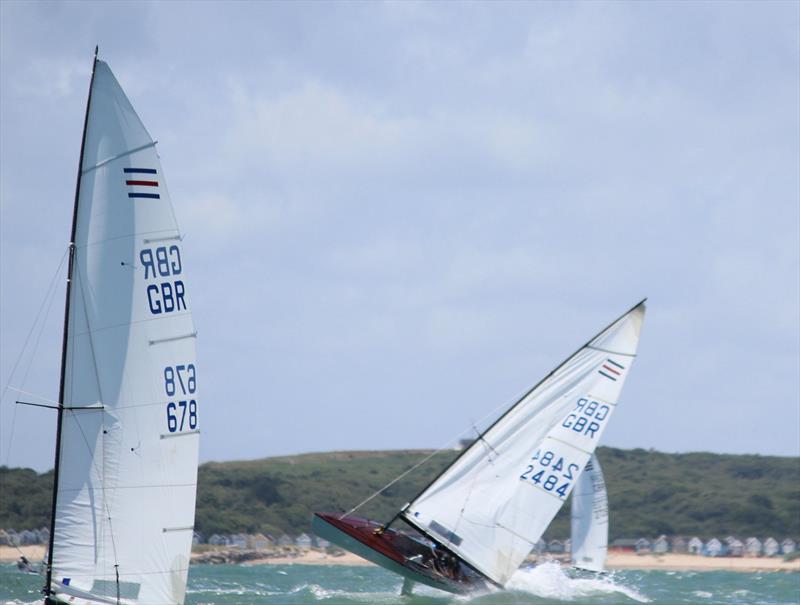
(494, 503)
(127, 465)
(589, 519)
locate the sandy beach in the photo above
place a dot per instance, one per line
(682, 562)
(666, 562)
(9, 554)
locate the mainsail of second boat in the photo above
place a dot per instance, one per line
(589, 519)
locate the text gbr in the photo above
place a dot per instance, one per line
(165, 296)
(586, 417)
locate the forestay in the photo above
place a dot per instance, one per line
(128, 467)
(589, 519)
(494, 503)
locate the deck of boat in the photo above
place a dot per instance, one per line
(402, 552)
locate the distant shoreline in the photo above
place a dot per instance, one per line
(616, 561)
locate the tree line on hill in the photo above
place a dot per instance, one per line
(650, 493)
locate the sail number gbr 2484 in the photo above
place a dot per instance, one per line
(181, 381)
(552, 472)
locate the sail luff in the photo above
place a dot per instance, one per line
(65, 337)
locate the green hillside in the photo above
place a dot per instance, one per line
(650, 493)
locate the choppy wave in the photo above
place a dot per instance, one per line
(546, 584)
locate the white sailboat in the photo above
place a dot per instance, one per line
(589, 519)
(128, 413)
(485, 512)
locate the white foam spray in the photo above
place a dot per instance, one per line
(548, 580)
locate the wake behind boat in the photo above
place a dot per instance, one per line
(475, 523)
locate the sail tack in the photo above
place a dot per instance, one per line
(589, 519)
(494, 503)
(125, 503)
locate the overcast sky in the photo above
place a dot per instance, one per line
(399, 216)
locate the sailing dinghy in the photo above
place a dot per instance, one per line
(589, 519)
(127, 429)
(475, 523)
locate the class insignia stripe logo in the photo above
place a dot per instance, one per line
(611, 367)
(141, 182)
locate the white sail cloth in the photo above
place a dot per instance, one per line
(128, 469)
(494, 503)
(589, 519)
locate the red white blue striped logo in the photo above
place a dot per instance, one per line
(611, 369)
(145, 178)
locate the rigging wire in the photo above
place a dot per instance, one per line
(46, 305)
(447, 445)
(35, 395)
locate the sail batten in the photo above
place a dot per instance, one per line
(120, 483)
(490, 506)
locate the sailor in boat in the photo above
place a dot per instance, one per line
(25, 566)
(447, 564)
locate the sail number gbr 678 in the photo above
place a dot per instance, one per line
(180, 382)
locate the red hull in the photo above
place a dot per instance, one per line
(405, 553)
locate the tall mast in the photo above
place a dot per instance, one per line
(401, 512)
(47, 588)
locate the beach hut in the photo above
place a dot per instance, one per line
(713, 548)
(4, 539)
(13, 537)
(321, 542)
(695, 546)
(238, 541)
(285, 540)
(303, 541)
(678, 544)
(218, 540)
(735, 546)
(661, 545)
(623, 545)
(643, 545)
(771, 547)
(788, 546)
(753, 547)
(261, 542)
(43, 534)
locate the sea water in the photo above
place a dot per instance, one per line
(548, 583)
